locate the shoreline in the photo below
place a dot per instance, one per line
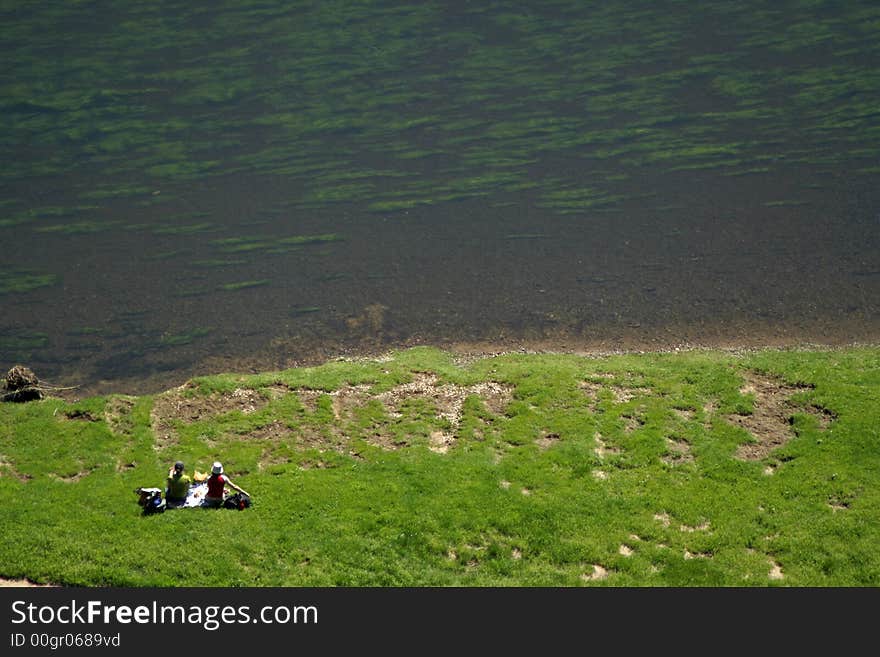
(294, 353)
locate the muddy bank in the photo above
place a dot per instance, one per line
(307, 351)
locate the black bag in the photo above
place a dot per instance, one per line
(238, 501)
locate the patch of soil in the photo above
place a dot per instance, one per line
(775, 571)
(6, 469)
(771, 421)
(547, 440)
(592, 390)
(632, 423)
(448, 400)
(702, 527)
(178, 406)
(309, 436)
(344, 399)
(598, 573)
(274, 431)
(697, 555)
(70, 479)
(709, 410)
(602, 449)
(440, 441)
(663, 518)
(621, 393)
(78, 414)
(117, 415)
(678, 451)
(684, 414)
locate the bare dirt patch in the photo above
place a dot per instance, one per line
(709, 410)
(678, 451)
(684, 414)
(632, 422)
(696, 555)
(275, 431)
(621, 394)
(663, 518)
(702, 527)
(83, 416)
(70, 479)
(775, 571)
(117, 414)
(597, 573)
(342, 400)
(838, 503)
(123, 467)
(547, 440)
(592, 390)
(447, 398)
(602, 449)
(181, 405)
(440, 441)
(8, 470)
(773, 416)
(448, 401)
(184, 405)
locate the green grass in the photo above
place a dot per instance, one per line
(416, 470)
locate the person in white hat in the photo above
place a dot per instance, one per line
(217, 484)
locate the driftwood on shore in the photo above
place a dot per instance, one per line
(22, 385)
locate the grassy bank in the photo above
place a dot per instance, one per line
(700, 468)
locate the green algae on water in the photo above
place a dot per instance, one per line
(242, 285)
(20, 281)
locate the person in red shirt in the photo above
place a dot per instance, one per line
(217, 484)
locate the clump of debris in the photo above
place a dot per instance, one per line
(22, 385)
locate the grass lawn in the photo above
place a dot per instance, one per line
(688, 469)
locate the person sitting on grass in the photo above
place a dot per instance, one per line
(177, 486)
(217, 484)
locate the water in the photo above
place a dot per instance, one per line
(197, 187)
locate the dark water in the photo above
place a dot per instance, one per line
(196, 187)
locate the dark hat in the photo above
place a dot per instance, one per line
(178, 465)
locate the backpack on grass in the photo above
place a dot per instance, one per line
(238, 501)
(151, 500)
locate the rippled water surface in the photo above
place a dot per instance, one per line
(189, 187)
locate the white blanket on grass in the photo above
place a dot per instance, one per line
(196, 495)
